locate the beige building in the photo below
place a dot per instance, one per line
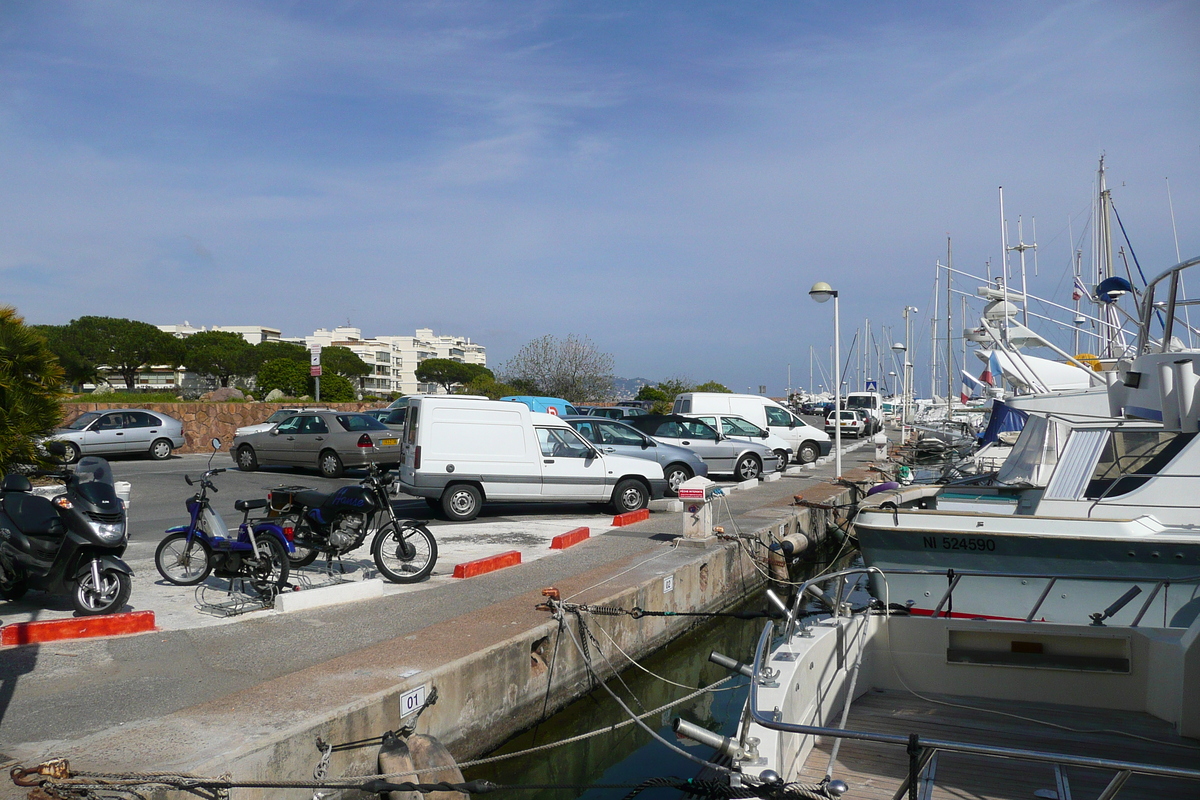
(394, 359)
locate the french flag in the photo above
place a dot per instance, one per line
(993, 373)
(1079, 291)
(970, 386)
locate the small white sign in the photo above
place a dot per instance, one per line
(668, 584)
(411, 702)
(315, 356)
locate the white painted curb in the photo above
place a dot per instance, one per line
(666, 504)
(774, 476)
(746, 486)
(329, 595)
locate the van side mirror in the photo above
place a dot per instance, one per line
(764, 434)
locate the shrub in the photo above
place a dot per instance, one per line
(30, 397)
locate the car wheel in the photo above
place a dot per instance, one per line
(462, 502)
(72, 453)
(748, 468)
(808, 453)
(782, 455)
(330, 465)
(675, 475)
(161, 449)
(629, 495)
(247, 459)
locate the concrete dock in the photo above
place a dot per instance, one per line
(251, 698)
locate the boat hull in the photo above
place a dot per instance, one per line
(1078, 551)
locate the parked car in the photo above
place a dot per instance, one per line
(738, 457)
(805, 442)
(545, 405)
(853, 423)
(618, 412)
(461, 452)
(273, 420)
(392, 417)
(120, 430)
(678, 463)
(327, 440)
(737, 428)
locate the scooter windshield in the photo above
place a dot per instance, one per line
(92, 469)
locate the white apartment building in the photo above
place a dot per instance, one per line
(395, 358)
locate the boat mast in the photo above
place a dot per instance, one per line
(933, 346)
(1003, 271)
(949, 321)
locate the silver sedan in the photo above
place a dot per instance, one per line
(327, 440)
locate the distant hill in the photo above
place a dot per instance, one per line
(627, 388)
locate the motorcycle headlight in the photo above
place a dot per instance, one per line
(109, 532)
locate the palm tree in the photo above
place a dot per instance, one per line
(30, 391)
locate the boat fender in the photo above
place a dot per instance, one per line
(428, 752)
(396, 759)
(886, 486)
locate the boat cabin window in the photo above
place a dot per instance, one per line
(1130, 458)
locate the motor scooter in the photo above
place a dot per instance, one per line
(70, 544)
(257, 553)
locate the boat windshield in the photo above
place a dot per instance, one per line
(1035, 454)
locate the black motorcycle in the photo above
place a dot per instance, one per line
(338, 523)
(71, 544)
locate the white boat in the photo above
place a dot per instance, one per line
(878, 705)
(1080, 496)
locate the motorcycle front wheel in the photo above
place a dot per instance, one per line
(181, 563)
(108, 597)
(404, 552)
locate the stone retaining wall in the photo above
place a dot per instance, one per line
(203, 421)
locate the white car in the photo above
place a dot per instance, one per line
(273, 420)
(853, 423)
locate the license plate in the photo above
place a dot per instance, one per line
(389, 442)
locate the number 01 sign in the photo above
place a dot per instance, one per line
(411, 702)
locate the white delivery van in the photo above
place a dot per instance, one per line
(459, 453)
(870, 405)
(805, 442)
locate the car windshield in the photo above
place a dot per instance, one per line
(280, 415)
(860, 402)
(84, 420)
(360, 422)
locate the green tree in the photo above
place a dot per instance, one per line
(77, 369)
(342, 361)
(663, 394)
(486, 384)
(124, 345)
(221, 354)
(30, 391)
(273, 349)
(449, 373)
(285, 374)
(334, 388)
(572, 368)
(713, 386)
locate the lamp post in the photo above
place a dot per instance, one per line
(908, 364)
(821, 292)
(903, 350)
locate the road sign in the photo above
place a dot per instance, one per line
(315, 355)
(315, 371)
(872, 386)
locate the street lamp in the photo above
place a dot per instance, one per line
(821, 292)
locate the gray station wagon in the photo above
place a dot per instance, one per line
(120, 430)
(611, 436)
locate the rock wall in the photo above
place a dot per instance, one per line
(203, 421)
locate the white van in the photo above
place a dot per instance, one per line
(459, 453)
(805, 441)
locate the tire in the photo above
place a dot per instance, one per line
(808, 453)
(404, 552)
(109, 597)
(180, 564)
(303, 556)
(781, 464)
(434, 502)
(629, 495)
(15, 589)
(275, 570)
(462, 502)
(72, 454)
(247, 459)
(161, 449)
(748, 468)
(675, 475)
(330, 464)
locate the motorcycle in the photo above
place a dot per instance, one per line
(337, 523)
(258, 553)
(70, 544)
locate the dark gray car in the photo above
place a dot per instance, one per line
(611, 436)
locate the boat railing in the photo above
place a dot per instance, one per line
(921, 750)
(955, 577)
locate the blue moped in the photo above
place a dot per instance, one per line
(258, 553)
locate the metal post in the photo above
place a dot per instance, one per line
(837, 390)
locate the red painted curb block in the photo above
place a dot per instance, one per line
(53, 630)
(630, 517)
(565, 540)
(489, 564)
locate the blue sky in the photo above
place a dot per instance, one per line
(665, 178)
